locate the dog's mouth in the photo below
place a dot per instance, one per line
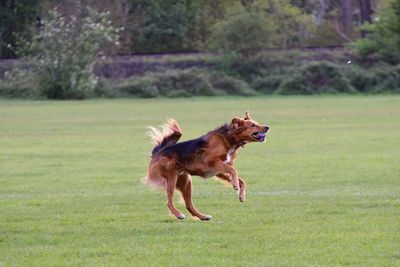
(260, 136)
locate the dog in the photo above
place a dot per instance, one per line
(212, 154)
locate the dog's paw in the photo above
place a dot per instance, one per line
(206, 218)
(242, 196)
(181, 216)
(236, 187)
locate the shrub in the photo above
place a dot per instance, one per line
(18, 84)
(143, 87)
(267, 84)
(387, 79)
(317, 77)
(180, 83)
(170, 26)
(264, 64)
(243, 30)
(379, 78)
(65, 51)
(294, 85)
(230, 85)
(192, 81)
(383, 35)
(361, 79)
(179, 93)
(104, 89)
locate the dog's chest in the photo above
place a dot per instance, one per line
(229, 156)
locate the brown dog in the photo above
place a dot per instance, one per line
(212, 154)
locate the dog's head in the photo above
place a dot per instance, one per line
(249, 130)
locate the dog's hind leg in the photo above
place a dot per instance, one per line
(184, 184)
(171, 184)
(242, 184)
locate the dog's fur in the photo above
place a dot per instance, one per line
(212, 154)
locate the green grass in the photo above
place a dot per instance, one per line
(323, 191)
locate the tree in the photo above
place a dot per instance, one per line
(347, 19)
(64, 52)
(292, 25)
(243, 29)
(383, 36)
(171, 25)
(16, 17)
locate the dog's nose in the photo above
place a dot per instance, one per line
(266, 128)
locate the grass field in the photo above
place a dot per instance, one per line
(324, 190)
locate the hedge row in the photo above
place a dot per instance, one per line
(284, 74)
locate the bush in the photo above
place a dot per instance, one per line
(267, 84)
(317, 77)
(193, 81)
(230, 85)
(143, 87)
(383, 35)
(171, 26)
(377, 79)
(18, 84)
(361, 79)
(243, 30)
(182, 83)
(65, 51)
(387, 79)
(264, 64)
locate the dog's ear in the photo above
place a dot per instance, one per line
(247, 116)
(236, 123)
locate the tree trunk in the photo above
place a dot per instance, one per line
(365, 13)
(347, 17)
(321, 12)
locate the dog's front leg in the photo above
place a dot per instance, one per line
(222, 167)
(242, 191)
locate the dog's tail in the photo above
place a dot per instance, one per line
(170, 134)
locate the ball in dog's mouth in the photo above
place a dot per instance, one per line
(260, 136)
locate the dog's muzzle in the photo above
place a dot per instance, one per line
(261, 136)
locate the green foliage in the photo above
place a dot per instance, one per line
(18, 83)
(317, 77)
(143, 87)
(383, 35)
(362, 80)
(382, 78)
(185, 83)
(192, 81)
(16, 17)
(292, 26)
(230, 85)
(178, 83)
(263, 73)
(64, 52)
(171, 26)
(324, 35)
(268, 84)
(264, 64)
(243, 29)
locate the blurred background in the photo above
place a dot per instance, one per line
(147, 48)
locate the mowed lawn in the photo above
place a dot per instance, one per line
(324, 190)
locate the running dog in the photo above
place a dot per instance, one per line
(212, 154)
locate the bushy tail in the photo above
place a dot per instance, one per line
(170, 134)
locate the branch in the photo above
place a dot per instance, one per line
(338, 31)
